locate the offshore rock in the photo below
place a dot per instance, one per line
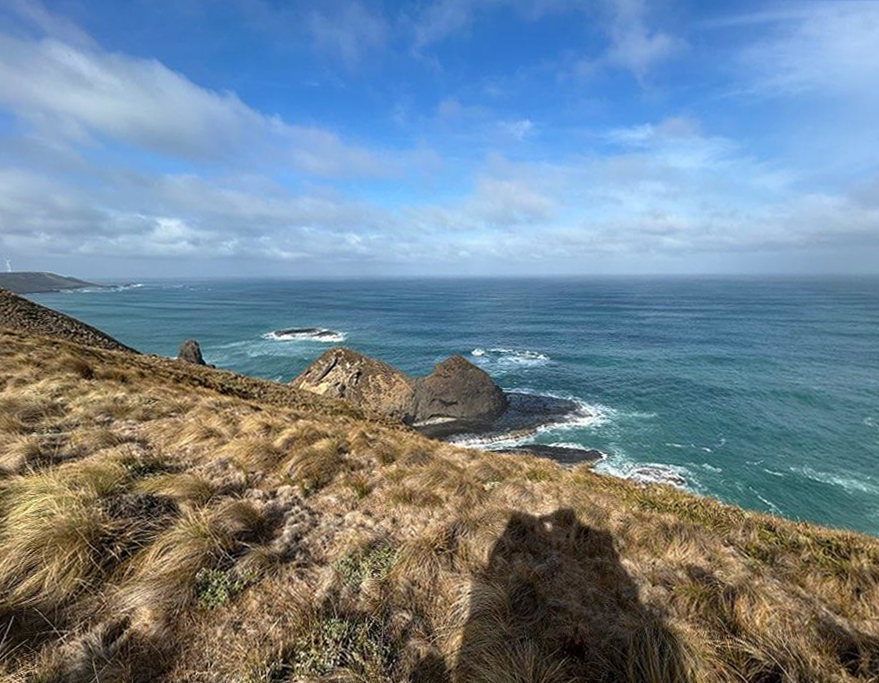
(190, 352)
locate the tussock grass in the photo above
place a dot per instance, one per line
(314, 466)
(26, 411)
(183, 487)
(163, 579)
(76, 366)
(50, 539)
(166, 523)
(301, 435)
(20, 453)
(198, 430)
(258, 453)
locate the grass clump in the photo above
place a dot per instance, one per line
(164, 578)
(315, 466)
(50, 541)
(76, 366)
(21, 453)
(184, 487)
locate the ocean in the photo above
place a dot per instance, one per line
(762, 392)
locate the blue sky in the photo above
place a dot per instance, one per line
(442, 137)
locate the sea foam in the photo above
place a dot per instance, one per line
(504, 358)
(618, 465)
(313, 334)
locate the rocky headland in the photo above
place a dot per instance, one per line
(457, 399)
(39, 282)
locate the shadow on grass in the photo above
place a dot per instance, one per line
(555, 604)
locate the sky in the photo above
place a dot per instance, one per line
(339, 138)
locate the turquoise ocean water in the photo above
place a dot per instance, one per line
(761, 392)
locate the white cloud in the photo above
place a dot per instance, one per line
(344, 30)
(824, 47)
(649, 200)
(31, 14)
(819, 64)
(185, 216)
(633, 44)
(442, 19)
(439, 20)
(140, 102)
(84, 93)
(519, 129)
(667, 189)
(664, 188)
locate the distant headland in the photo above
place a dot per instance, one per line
(37, 282)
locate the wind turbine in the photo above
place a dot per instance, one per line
(8, 266)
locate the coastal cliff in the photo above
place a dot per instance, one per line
(166, 521)
(38, 282)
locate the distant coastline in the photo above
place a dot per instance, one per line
(39, 282)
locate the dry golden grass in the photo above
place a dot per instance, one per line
(160, 522)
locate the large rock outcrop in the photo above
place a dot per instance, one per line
(458, 389)
(455, 390)
(365, 382)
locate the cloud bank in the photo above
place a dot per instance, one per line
(108, 155)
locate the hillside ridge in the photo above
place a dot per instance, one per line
(163, 521)
(23, 315)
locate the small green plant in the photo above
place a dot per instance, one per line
(370, 563)
(357, 643)
(216, 587)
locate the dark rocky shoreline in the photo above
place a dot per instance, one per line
(524, 416)
(561, 454)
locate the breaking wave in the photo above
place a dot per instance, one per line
(584, 415)
(508, 358)
(862, 485)
(102, 288)
(618, 465)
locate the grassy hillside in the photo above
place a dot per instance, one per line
(23, 315)
(166, 522)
